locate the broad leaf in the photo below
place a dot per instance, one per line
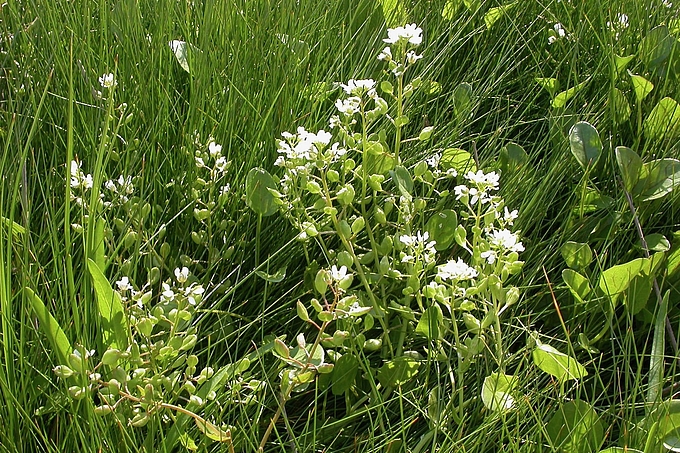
(622, 62)
(630, 165)
(492, 16)
(641, 86)
(183, 53)
(550, 84)
(258, 196)
(512, 157)
(617, 279)
(402, 179)
(663, 121)
(458, 159)
(577, 284)
(577, 255)
(557, 364)
(50, 327)
(451, 9)
(114, 322)
(463, 101)
(656, 46)
(398, 371)
(497, 392)
(344, 373)
(441, 228)
(585, 144)
(429, 323)
(659, 178)
(620, 106)
(562, 98)
(276, 277)
(575, 428)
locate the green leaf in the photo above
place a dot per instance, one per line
(402, 179)
(441, 228)
(562, 98)
(451, 8)
(258, 196)
(398, 371)
(641, 86)
(394, 12)
(463, 100)
(585, 144)
(575, 428)
(512, 157)
(17, 230)
(657, 242)
(344, 374)
(550, 84)
(492, 16)
(577, 284)
(429, 323)
(50, 327)
(617, 279)
(658, 179)
(183, 53)
(620, 107)
(577, 255)
(379, 164)
(663, 121)
(640, 289)
(656, 46)
(497, 392)
(276, 277)
(557, 364)
(114, 322)
(457, 158)
(622, 62)
(302, 311)
(630, 165)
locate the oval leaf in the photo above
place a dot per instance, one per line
(344, 374)
(557, 364)
(656, 46)
(575, 428)
(442, 228)
(497, 392)
(663, 121)
(258, 196)
(585, 144)
(398, 371)
(577, 255)
(630, 165)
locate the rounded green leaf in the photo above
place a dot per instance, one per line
(630, 165)
(575, 428)
(656, 46)
(659, 178)
(497, 392)
(463, 100)
(562, 98)
(620, 106)
(641, 86)
(663, 121)
(398, 371)
(430, 322)
(585, 143)
(344, 374)
(441, 228)
(557, 364)
(458, 159)
(512, 157)
(577, 255)
(577, 284)
(258, 196)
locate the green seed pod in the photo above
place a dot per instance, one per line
(139, 420)
(103, 410)
(110, 357)
(63, 372)
(373, 344)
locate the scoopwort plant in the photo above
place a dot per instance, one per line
(415, 252)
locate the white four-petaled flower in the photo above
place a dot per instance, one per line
(456, 270)
(410, 33)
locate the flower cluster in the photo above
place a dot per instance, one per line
(119, 189)
(418, 247)
(480, 189)
(404, 38)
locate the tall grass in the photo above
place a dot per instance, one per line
(247, 84)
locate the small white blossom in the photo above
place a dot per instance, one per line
(456, 270)
(182, 274)
(510, 216)
(483, 179)
(412, 57)
(386, 54)
(433, 160)
(359, 87)
(214, 149)
(338, 274)
(409, 33)
(107, 81)
(168, 295)
(221, 164)
(490, 256)
(124, 284)
(505, 239)
(348, 106)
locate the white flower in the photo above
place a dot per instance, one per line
(386, 54)
(75, 169)
(412, 57)
(214, 149)
(481, 179)
(193, 293)
(359, 87)
(110, 185)
(87, 182)
(348, 106)
(182, 274)
(505, 239)
(280, 161)
(456, 270)
(490, 256)
(168, 295)
(410, 33)
(433, 160)
(226, 188)
(107, 81)
(338, 274)
(221, 164)
(510, 216)
(559, 29)
(124, 284)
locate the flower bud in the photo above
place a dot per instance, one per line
(63, 372)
